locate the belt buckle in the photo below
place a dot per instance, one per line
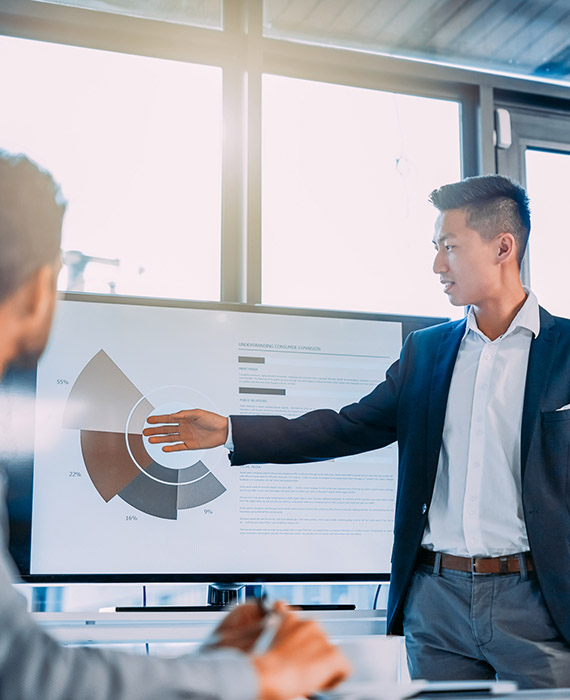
(474, 571)
(503, 565)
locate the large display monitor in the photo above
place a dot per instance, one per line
(97, 502)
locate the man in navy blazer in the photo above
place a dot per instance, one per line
(480, 409)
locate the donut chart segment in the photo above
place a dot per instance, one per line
(102, 397)
(108, 463)
(199, 492)
(152, 497)
(110, 413)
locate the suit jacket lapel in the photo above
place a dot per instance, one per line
(540, 359)
(439, 390)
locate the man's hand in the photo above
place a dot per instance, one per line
(188, 430)
(239, 629)
(300, 661)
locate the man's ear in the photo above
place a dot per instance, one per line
(506, 247)
(35, 298)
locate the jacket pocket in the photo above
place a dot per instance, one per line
(556, 416)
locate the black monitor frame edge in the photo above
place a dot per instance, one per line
(20, 535)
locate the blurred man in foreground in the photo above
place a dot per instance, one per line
(32, 665)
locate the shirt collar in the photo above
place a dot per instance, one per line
(528, 317)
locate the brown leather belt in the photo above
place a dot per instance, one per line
(477, 565)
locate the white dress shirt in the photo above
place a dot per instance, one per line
(476, 509)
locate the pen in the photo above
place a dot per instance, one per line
(271, 622)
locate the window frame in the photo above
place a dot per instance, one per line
(244, 55)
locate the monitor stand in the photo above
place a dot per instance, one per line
(220, 596)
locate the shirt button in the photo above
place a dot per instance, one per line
(483, 386)
(476, 465)
(488, 356)
(472, 498)
(424, 508)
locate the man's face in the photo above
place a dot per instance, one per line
(33, 341)
(465, 262)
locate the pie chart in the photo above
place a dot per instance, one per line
(109, 412)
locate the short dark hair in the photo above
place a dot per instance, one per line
(31, 215)
(493, 204)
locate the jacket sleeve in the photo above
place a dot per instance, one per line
(322, 434)
(33, 665)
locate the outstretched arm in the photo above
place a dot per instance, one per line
(194, 429)
(317, 435)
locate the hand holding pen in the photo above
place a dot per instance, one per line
(292, 656)
(244, 626)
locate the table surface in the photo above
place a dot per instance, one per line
(550, 694)
(168, 627)
(133, 627)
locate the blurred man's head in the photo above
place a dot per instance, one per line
(31, 214)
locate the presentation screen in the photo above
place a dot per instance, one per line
(103, 504)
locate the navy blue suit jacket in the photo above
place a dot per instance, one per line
(409, 406)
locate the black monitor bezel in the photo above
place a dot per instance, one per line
(19, 468)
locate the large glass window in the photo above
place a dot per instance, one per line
(547, 177)
(200, 13)
(346, 222)
(136, 144)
